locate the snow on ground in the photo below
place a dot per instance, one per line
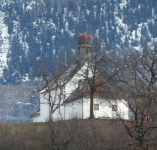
(94, 11)
(30, 5)
(25, 78)
(87, 11)
(4, 46)
(123, 4)
(134, 35)
(23, 103)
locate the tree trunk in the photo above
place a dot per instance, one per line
(91, 104)
(51, 117)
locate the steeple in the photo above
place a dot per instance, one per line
(85, 42)
(84, 22)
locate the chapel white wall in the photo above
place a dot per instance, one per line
(44, 108)
(36, 118)
(76, 108)
(123, 109)
(105, 108)
(73, 110)
(64, 112)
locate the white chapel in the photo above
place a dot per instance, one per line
(70, 93)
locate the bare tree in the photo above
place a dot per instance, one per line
(137, 80)
(52, 95)
(50, 85)
(94, 63)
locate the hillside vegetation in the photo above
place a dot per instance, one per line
(67, 135)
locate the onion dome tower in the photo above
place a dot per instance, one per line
(85, 45)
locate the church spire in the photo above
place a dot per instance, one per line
(84, 22)
(85, 44)
(84, 39)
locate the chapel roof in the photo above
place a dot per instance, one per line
(85, 38)
(35, 114)
(55, 78)
(61, 77)
(102, 91)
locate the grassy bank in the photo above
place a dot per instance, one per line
(74, 134)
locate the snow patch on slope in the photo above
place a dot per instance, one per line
(4, 45)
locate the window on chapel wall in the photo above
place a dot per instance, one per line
(96, 106)
(114, 107)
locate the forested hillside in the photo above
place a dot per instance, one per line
(43, 29)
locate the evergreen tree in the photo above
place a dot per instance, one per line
(10, 27)
(48, 8)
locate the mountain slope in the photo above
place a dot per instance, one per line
(44, 29)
